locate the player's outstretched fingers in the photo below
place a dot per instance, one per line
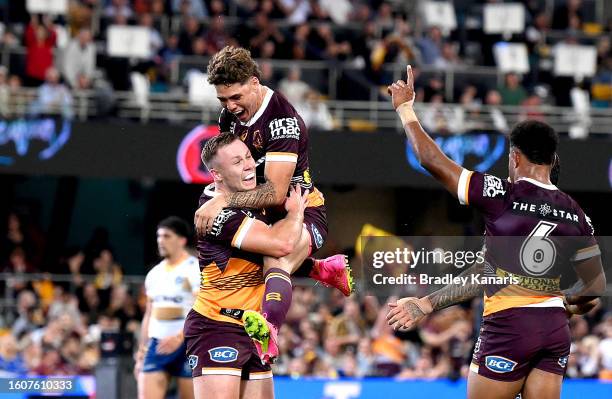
(409, 76)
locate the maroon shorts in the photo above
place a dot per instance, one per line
(315, 221)
(219, 348)
(514, 341)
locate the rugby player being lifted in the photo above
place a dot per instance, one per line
(278, 140)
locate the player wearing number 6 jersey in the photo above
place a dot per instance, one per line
(533, 232)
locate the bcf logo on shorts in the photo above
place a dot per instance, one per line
(317, 236)
(498, 364)
(223, 354)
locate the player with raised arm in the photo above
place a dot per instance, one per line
(225, 360)
(278, 139)
(170, 287)
(524, 340)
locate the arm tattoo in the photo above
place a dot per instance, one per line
(453, 294)
(261, 197)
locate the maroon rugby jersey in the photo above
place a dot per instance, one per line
(275, 133)
(231, 278)
(534, 232)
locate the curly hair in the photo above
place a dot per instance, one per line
(232, 65)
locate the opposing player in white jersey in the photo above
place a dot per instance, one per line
(171, 287)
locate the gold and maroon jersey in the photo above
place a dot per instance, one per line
(230, 277)
(534, 233)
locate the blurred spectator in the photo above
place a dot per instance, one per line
(388, 350)
(199, 47)
(512, 92)
(39, 41)
(191, 30)
(293, 87)
(449, 56)
(605, 350)
(4, 93)
(568, 16)
(531, 108)
(384, 17)
(118, 8)
(108, 275)
(11, 361)
(262, 31)
(339, 11)
(158, 8)
(443, 119)
(79, 58)
(89, 302)
(314, 111)
(217, 36)
(295, 11)
(53, 97)
(347, 328)
(170, 52)
(193, 8)
(156, 41)
(29, 315)
(494, 100)
(392, 49)
(601, 85)
(216, 8)
(267, 74)
(63, 303)
(588, 356)
(80, 15)
(431, 46)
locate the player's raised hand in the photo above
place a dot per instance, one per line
(206, 214)
(406, 313)
(402, 92)
(297, 201)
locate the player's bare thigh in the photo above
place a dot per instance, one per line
(291, 262)
(216, 387)
(480, 387)
(152, 385)
(185, 388)
(257, 389)
(542, 384)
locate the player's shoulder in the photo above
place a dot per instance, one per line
(584, 219)
(156, 270)
(280, 107)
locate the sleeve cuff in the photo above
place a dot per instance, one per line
(242, 232)
(586, 253)
(281, 157)
(463, 186)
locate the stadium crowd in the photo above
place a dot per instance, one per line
(55, 327)
(65, 55)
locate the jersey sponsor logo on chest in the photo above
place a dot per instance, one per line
(544, 210)
(284, 128)
(167, 298)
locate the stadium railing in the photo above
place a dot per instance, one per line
(175, 107)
